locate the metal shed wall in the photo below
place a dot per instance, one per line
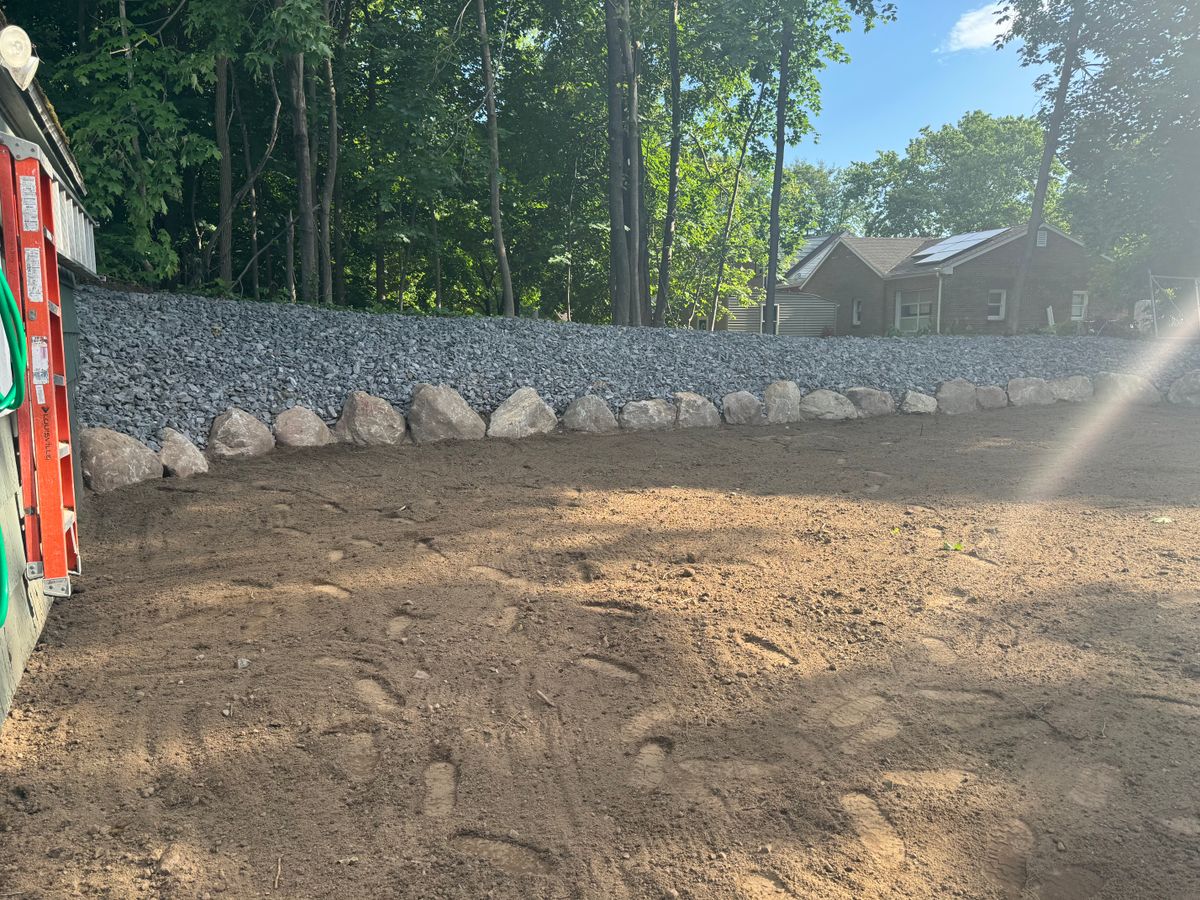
(744, 318)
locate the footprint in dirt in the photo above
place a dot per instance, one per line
(609, 668)
(1005, 859)
(647, 720)
(499, 576)
(335, 556)
(358, 756)
(855, 711)
(1070, 883)
(506, 620)
(939, 651)
(883, 730)
(615, 608)
(331, 590)
(649, 766)
(376, 696)
(506, 855)
(1094, 785)
(874, 830)
(398, 626)
(441, 789)
(763, 886)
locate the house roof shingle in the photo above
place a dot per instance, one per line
(886, 253)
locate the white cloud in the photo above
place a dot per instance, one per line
(975, 30)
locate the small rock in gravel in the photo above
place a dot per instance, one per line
(521, 415)
(370, 422)
(957, 396)
(1186, 390)
(781, 401)
(1122, 387)
(1030, 392)
(916, 403)
(827, 405)
(870, 402)
(1073, 388)
(236, 434)
(695, 411)
(742, 408)
(301, 427)
(179, 456)
(648, 415)
(991, 396)
(589, 414)
(111, 460)
(440, 414)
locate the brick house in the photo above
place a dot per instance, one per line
(957, 284)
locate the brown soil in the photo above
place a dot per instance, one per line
(748, 663)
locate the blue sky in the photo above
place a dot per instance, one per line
(929, 67)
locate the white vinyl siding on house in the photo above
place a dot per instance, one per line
(997, 305)
(914, 311)
(1079, 305)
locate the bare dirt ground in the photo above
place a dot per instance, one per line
(825, 662)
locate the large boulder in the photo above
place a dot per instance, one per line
(522, 414)
(956, 397)
(112, 460)
(235, 434)
(439, 413)
(914, 403)
(1119, 388)
(648, 415)
(369, 421)
(1186, 390)
(1073, 388)
(591, 414)
(781, 400)
(742, 408)
(179, 456)
(695, 411)
(827, 405)
(301, 427)
(1030, 392)
(991, 396)
(870, 402)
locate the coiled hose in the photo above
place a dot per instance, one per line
(18, 355)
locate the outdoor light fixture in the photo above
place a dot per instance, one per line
(16, 52)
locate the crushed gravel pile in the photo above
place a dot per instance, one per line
(155, 360)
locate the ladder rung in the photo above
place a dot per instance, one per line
(68, 519)
(60, 380)
(49, 236)
(54, 308)
(64, 449)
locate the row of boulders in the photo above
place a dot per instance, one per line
(438, 413)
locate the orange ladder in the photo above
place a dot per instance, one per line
(49, 522)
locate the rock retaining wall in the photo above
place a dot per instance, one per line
(112, 460)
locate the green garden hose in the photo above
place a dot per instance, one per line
(14, 335)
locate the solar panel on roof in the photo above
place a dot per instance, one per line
(952, 246)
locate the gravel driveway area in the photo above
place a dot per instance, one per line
(155, 360)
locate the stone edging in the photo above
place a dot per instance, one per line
(112, 460)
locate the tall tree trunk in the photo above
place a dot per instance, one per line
(489, 83)
(1058, 113)
(733, 195)
(437, 258)
(770, 311)
(339, 246)
(327, 189)
(306, 216)
(380, 252)
(663, 300)
(291, 257)
(633, 132)
(247, 160)
(136, 144)
(225, 166)
(618, 242)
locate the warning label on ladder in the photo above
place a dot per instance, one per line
(33, 273)
(39, 362)
(29, 203)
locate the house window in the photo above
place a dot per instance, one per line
(997, 301)
(856, 312)
(1079, 304)
(914, 311)
(1043, 237)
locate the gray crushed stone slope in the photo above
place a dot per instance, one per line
(155, 360)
